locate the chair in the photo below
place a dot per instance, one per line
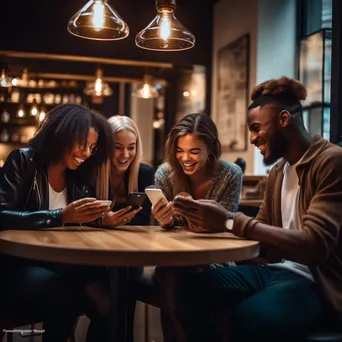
(146, 291)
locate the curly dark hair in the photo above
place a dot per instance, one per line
(285, 91)
(67, 125)
(206, 130)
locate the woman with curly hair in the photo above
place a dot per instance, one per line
(46, 185)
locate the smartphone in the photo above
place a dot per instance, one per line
(154, 195)
(104, 203)
(136, 199)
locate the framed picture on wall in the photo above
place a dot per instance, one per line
(232, 94)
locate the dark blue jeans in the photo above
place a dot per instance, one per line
(260, 303)
(50, 292)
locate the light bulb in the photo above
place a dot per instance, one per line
(21, 113)
(5, 81)
(98, 16)
(42, 115)
(34, 111)
(98, 87)
(97, 20)
(165, 32)
(146, 91)
(165, 26)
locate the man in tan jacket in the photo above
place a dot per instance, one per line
(299, 283)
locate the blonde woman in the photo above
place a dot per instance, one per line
(124, 173)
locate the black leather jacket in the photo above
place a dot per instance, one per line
(24, 193)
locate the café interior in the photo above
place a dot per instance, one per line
(221, 50)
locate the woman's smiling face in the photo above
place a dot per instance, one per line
(125, 150)
(192, 153)
(81, 152)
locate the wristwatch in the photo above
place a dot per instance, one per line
(228, 223)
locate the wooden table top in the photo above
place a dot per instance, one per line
(126, 246)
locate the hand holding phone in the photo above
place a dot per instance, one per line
(162, 209)
(120, 217)
(84, 210)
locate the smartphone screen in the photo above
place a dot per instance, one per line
(154, 195)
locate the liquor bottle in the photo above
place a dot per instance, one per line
(5, 116)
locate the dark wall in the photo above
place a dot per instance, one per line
(40, 26)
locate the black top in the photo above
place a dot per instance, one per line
(24, 193)
(145, 178)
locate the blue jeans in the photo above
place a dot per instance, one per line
(263, 303)
(52, 292)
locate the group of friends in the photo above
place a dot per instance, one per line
(78, 157)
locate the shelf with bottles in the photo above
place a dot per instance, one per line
(33, 97)
(17, 96)
(43, 84)
(16, 134)
(31, 109)
(21, 115)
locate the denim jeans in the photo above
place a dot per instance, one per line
(259, 303)
(49, 291)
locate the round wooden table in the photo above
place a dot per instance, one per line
(122, 247)
(126, 246)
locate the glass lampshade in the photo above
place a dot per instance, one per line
(165, 32)
(5, 81)
(98, 87)
(147, 90)
(98, 21)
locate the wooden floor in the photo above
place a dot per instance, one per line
(155, 334)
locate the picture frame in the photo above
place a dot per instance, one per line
(232, 94)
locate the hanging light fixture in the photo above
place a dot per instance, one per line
(165, 32)
(98, 21)
(21, 111)
(5, 81)
(147, 90)
(34, 108)
(98, 87)
(42, 114)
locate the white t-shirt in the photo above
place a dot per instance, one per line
(290, 215)
(57, 200)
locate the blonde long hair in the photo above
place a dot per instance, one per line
(104, 180)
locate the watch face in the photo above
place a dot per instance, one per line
(229, 224)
